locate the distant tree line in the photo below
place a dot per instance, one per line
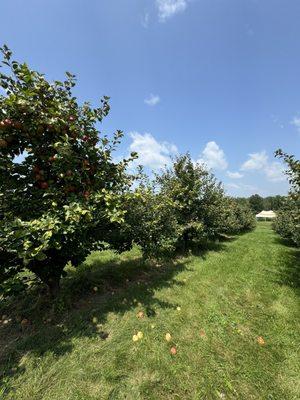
(258, 203)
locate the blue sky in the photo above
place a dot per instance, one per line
(218, 78)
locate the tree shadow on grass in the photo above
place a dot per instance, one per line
(100, 286)
(289, 272)
(202, 249)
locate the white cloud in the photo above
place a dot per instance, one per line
(273, 171)
(256, 161)
(152, 154)
(241, 189)
(232, 185)
(145, 20)
(152, 100)
(277, 121)
(213, 157)
(167, 8)
(234, 175)
(296, 122)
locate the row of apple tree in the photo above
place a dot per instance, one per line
(62, 195)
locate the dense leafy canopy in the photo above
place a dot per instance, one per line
(182, 208)
(197, 200)
(287, 223)
(66, 196)
(238, 217)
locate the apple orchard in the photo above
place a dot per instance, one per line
(62, 194)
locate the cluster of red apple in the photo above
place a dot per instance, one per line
(4, 125)
(43, 184)
(39, 176)
(8, 123)
(39, 172)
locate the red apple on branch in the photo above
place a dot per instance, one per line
(86, 194)
(17, 125)
(70, 189)
(8, 122)
(44, 185)
(3, 143)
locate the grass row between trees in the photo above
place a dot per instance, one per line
(232, 314)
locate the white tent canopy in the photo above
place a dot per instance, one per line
(266, 214)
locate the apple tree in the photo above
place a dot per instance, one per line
(151, 220)
(61, 193)
(237, 217)
(197, 201)
(202, 210)
(287, 223)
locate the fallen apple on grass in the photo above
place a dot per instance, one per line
(168, 337)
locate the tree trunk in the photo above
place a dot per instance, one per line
(185, 242)
(53, 286)
(49, 276)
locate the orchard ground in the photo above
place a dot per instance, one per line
(232, 314)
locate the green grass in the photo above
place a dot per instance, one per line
(238, 291)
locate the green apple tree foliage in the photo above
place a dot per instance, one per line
(202, 210)
(151, 220)
(237, 217)
(197, 200)
(287, 223)
(61, 194)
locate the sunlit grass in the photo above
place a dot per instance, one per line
(232, 314)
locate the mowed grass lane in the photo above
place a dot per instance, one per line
(232, 313)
